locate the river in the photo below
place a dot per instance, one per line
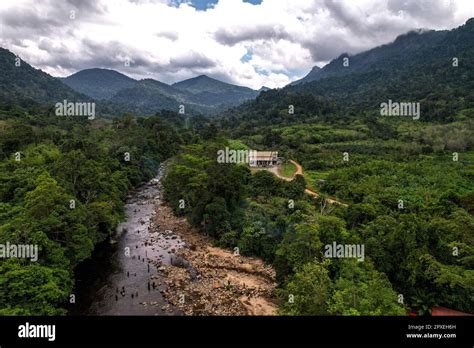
(119, 278)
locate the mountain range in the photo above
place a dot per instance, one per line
(202, 93)
(414, 65)
(432, 68)
(24, 86)
(435, 67)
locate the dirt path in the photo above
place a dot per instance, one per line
(329, 200)
(206, 280)
(299, 168)
(277, 171)
(299, 171)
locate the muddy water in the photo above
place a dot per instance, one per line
(117, 282)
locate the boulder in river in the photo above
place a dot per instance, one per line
(179, 261)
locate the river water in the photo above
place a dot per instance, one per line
(119, 278)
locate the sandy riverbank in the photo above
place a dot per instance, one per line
(206, 280)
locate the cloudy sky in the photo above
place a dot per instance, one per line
(246, 42)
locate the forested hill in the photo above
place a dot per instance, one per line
(98, 83)
(434, 68)
(214, 92)
(418, 66)
(22, 86)
(120, 93)
(27, 87)
(147, 96)
(312, 76)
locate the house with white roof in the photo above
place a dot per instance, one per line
(263, 158)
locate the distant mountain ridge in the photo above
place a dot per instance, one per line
(379, 58)
(214, 92)
(417, 45)
(417, 66)
(432, 68)
(113, 91)
(98, 83)
(147, 96)
(423, 66)
(312, 75)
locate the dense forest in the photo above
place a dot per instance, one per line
(408, 185)
(409, 203)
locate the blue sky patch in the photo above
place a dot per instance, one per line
(203, 5)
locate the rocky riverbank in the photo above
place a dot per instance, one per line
(205, 280)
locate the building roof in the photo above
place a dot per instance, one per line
(263, 155)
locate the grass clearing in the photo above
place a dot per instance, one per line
(288, 170)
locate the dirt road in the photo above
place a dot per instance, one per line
(299, 171)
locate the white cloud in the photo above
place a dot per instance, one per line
(281, 39)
